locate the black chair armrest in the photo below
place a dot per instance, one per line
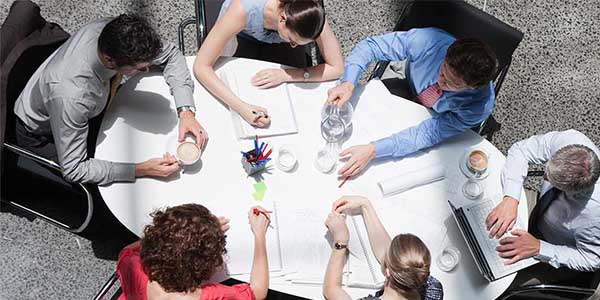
(574, 291)
(26, 153)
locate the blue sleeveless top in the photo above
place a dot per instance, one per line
(254, 29)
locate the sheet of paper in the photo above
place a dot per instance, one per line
(240, 240)
(276, 100)
(306, 248)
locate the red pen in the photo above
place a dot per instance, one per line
(345, 179)
(259, 211)
(267, 155)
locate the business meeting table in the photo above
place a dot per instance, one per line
(141, 123)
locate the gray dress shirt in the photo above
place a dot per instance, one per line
(571, 223)
(71, 87)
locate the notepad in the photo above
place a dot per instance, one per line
(362, 258)
(240, 240)
(276, 100)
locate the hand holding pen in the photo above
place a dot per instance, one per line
(259, 220)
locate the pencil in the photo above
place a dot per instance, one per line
(345, 179)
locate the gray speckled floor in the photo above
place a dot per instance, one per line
(552, 85)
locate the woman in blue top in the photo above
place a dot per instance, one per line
(297, 22)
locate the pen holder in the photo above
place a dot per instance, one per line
(251, 167)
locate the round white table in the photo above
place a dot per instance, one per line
(142, 119)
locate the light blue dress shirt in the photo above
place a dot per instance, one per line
(255, 25)
(571, 223)
(424, 49)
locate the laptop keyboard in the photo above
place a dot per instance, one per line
(479, 213)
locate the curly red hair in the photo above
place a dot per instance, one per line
(183, 247)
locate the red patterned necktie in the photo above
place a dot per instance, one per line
(430, 95)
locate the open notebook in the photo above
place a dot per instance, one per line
(363, 268)
(240, 240)
(276, 100)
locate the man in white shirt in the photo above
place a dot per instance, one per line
(565, 224)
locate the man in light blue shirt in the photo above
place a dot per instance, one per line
(565, 225)
(450, 76)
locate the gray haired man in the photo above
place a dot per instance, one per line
(565, 224)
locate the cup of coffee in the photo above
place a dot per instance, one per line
(188, 153)
(477, 162)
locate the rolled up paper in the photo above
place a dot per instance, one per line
(412, 179)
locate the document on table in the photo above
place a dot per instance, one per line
(395, 222)
(240, 239)
(306, 247)
(276, 100)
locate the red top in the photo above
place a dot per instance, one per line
(134, 281)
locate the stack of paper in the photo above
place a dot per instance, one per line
(275, 100)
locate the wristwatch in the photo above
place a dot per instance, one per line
(306, 74)
(339, 246)
(186, 108)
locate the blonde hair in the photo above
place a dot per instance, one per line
(408, 261)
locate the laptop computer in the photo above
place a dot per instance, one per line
(471, 222)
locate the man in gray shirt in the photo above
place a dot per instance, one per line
(565, 225)
(73, 85)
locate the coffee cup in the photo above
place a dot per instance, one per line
(188, 153)
(477, 161)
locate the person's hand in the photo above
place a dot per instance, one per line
(188, 123)
(520, 246)
(360, 156)
(268, 78)
(224, 223)
(259, 223)
(336, 224)
(255, 115)
(340, 94)
(503, 217)
(350, 204)
(157, 167)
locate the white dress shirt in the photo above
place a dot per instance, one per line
(571, 224)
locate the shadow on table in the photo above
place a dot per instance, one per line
(153, 112)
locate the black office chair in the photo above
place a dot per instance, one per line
(206, 15)
(550, 292)
(22, 169)
(106, 288)
(462, 20)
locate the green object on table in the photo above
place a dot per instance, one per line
(260, 188)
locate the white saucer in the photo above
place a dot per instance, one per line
(462, 164)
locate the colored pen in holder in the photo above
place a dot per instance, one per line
(256, 159)
(250, 164)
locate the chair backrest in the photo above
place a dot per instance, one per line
(211, 14)
(24, 59)
(463, 20)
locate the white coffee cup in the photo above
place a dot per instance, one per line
(188, 153)
(477, 161)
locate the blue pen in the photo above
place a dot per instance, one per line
(256, 146)
(261, 147)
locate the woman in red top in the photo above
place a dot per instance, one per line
(181, 250)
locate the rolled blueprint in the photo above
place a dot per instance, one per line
(412, 179)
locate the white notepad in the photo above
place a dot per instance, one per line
(240, 239)
(276, 100)
(395, 222)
